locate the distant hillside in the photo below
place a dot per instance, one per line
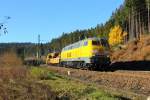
(15, 45)
(23, 49)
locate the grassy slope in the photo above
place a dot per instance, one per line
(70, 89)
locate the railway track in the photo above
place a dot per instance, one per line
(116, 72)
(132, 81)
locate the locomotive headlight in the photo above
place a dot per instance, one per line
(107, 53)
(108, 56)
(95, 52)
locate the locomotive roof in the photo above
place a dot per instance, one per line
(94, 38)
(79, 42)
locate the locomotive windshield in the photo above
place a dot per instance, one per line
(102, 42)
(96, 43)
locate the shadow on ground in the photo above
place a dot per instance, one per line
(131, 65)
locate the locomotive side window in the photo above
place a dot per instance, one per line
(85, 43)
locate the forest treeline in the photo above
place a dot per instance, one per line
(23, 50)
(132, 18)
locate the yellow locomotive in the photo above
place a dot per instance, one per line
(91, 53)
(53, 58)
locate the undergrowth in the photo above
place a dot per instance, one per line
(70, 89)
(16, 82)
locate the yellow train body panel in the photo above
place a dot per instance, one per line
(82, 50)
(76, 53)
(54, 61)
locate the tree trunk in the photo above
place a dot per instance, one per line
(129, 25)
(136, 26)
(148, 19)
(132, 26)
(140, 26)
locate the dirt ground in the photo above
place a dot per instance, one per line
(136, 50)
(132, 81)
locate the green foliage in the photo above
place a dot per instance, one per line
(77, 90)
(98, 95)
(41, 73)
(70, 89)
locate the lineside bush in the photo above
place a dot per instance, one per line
(11, 67)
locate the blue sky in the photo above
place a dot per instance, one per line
(50, 18)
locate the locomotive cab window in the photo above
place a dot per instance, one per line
(49, 56)
(104, 43)
(96, 43)
(56, 55)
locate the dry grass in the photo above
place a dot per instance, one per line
(16, 82)
(13, 73)
(137, 50)
(25, 90)
(10, 59)
(11, 67)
